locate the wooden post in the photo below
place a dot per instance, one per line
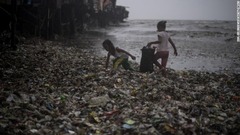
(38, 22)
(48, 19)
(58, 17)
(71, 14)
(13, 24)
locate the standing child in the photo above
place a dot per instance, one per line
(162, 47)
(121, 56)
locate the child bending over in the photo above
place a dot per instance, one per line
(121, 56)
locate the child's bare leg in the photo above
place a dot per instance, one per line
(155, 61)
(157, 64)
(164, 65)
(164, 62)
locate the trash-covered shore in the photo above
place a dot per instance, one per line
(49, 88)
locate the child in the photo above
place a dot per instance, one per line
(162, 47)
(121, 56)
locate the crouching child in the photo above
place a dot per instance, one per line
(120, 55)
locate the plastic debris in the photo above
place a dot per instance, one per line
(94, 116)
(99, 101)
(129, 121)
(56, 89)
(126, 126)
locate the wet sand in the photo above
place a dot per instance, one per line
(198, 49)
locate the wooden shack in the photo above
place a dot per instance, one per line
(46, 18)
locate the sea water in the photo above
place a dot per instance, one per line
(202, 45)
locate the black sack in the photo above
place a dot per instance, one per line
(146, 64)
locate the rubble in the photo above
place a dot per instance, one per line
(50, 88)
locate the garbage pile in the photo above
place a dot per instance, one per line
(49, 88)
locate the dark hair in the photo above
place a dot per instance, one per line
(107, 41)
(161, 24)
(108, 45)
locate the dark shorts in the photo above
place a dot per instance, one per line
(162, 54)
(121, 61)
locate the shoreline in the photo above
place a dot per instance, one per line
(208, 50)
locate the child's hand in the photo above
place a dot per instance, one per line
(133, 57)
(149, 44)
(175, 53)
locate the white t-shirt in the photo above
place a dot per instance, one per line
(120, 54)
(163, 36)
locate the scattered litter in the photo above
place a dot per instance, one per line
(66, 90)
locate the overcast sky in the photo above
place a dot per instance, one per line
(181, 9)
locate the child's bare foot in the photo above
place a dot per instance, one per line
(164, 72)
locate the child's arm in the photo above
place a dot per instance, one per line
(108, 56)
(173, 45)
(154, 42)
(121, 50)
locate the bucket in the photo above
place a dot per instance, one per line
(146, 63)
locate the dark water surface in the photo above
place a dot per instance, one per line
(202, 45)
